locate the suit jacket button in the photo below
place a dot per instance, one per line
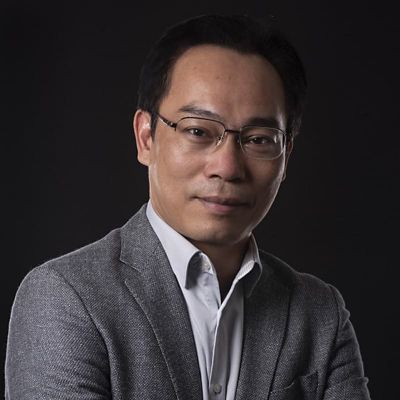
(217, 388)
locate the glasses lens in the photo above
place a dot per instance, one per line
(262, 142)
(198, 132)
(201, 134)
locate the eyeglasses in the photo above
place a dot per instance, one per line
(198, 134)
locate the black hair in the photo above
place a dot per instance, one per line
(238, 32)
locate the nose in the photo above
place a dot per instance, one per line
(226, 160)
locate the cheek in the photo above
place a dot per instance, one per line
(171, 171)
(268, 182)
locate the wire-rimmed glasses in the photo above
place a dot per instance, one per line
(204, 135)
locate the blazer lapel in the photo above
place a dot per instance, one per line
(266, 313)
(157, 292)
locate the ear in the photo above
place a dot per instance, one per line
(288, 151)
(144, 139)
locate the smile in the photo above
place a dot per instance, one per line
(222, 205)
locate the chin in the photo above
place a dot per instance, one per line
(218, 235)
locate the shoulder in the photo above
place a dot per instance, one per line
(286, 274)
(306, 290)
(90, 270)
(88, 261)
(100, 259)
(70, 277)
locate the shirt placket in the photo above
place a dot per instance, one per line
(220, 361)
(218, 352)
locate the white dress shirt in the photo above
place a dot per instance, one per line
(217, 327)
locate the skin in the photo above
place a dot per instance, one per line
(217, 199)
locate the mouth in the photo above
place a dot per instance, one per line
(222, 205)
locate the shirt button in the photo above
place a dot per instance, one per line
(206, 268)
(217, 388)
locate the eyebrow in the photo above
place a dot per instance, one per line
(256, 121)
(200, 112)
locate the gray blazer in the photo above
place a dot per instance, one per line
(109, 321)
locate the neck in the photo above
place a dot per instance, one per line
(226, 260)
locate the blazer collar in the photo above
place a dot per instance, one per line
(157, 292)
(265, 318)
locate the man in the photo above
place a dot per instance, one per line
(180, 303)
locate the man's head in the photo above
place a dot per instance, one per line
(241, 33)
(231, 70)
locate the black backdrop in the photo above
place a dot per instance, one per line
(70, 169)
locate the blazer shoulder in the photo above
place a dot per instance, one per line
(98, 266)
(95, 255)
(101, 256)
(304, 287)
(287, 274)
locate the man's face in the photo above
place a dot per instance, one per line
(219, 197)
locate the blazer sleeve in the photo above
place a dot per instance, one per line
(54, 350)
(345, 378)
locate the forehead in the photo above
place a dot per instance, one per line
(224, 81)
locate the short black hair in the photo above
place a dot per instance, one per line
(238, 32)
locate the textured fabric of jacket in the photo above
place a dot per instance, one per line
(109, 321)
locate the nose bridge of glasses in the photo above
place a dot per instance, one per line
(235, 132)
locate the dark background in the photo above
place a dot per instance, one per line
(69, 162)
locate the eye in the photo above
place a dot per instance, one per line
(259, 140)
(199, 132)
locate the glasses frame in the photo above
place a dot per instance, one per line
(237, 132)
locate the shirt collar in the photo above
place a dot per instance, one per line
(251, 267)
(180, 253)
